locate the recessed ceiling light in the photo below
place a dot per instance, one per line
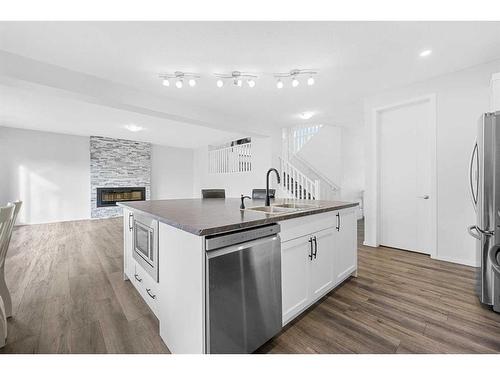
(220, 83)
(133, 127)
(425, 53)
(306, 115)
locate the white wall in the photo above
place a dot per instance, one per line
(461, 98)
(172, 174)
(323, 153)
(235, 183)
(352, 154)
(49, 172)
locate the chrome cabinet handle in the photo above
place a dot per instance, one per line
(310, 248)
(423, 196)
(338, 222)
(137, 278)
(130, 226)
(315, 247)
(153, 296)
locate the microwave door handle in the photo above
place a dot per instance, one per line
(471, 179)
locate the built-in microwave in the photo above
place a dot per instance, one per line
(145, 240)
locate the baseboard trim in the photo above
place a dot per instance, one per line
(462, 262)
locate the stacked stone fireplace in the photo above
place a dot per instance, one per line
(120, 170)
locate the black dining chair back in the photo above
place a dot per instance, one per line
(261, 193)
(213, 193)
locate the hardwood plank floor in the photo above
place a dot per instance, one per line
(69, 297)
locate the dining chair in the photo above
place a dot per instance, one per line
(261, 193)
(4, 291)
(6, 214)
(213, 193)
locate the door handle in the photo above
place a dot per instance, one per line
(310, 248)
(130, 226)
(476, 232)
(423, 196)
(315, 247)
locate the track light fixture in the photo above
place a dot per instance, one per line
(237, 79)
(294, 75)
(179, 79)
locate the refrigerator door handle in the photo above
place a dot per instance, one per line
(473, 194)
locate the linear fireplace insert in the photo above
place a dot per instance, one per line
(107, 197)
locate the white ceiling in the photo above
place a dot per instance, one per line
(31, 110)
(354, 59)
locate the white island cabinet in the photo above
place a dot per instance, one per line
(318, 252)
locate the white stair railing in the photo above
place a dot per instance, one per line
(232, 159)
(297, 185)
(329, 189)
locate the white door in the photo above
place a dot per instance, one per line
(295, 258)
(346, 245)
(322, 263)
(405, 166)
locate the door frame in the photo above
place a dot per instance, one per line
(375, 167)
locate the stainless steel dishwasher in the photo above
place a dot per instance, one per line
(243, 294)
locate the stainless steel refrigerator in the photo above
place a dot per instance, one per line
(484, 179)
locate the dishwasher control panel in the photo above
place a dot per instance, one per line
(232, 238)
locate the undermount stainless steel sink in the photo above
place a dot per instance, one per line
(297, 206)
(279, 209)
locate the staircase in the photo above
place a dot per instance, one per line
(300, 180)
(329, 189)
(295, 184)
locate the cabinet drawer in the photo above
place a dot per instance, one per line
(147, 288)
(303, 226)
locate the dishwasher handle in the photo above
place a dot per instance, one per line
(242, 246)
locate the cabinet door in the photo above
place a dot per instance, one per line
(128, 264)
(346, 247)
(295, 263)
(322, 274)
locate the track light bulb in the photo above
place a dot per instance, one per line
(251, 83)
(220, 83)
(279, 84)
(192, 82)
(310, 81)
(166, 82)
(295, 82)
(178, 83)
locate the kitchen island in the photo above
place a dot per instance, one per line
(173, 254)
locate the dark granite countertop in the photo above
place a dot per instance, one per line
(210, 216)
